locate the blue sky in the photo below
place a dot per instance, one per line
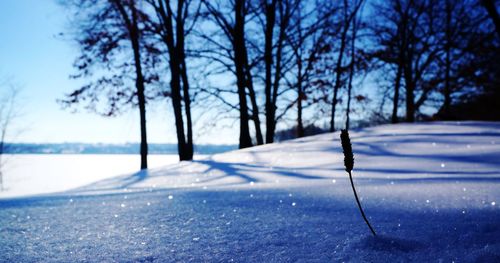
(32, 55)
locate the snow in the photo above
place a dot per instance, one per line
(429, 190)
(31, 174)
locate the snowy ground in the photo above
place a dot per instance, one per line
(431, 191)
(31, 174)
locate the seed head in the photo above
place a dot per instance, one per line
(346, 146)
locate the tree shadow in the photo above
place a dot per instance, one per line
(373, 149)
(115, 183)
(441, 179)
(238, 169)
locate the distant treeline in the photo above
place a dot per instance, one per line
(102, 148)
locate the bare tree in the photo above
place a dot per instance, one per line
(407, 38)
(352, 66)
(278, 15)
(112, 48)
(307, 39)
(463, 39)
(8, 114)
(349, 11)
(171, 26)
(230, 21)
(392, 42)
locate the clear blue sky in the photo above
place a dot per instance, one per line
(33, 56)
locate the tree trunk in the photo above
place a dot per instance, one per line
(277, 72)
(238, 43)
(397, 86)
(177, 105)
(300, 96)
(409, 77)
(410, 95)
(402, 33)
(410, 107)
(447, 90)
(178, 74)
(268, 58)
(139, 81)
(251, 93)
(255, 107)
(187, 109)
(142, 116)
(185, 81)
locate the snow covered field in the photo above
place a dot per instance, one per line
(431, 191)
(30, 174)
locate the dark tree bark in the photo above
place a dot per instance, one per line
(400, 65)
(270, 107)
(253, 101)
(283, 11)
(182, 11)
(134, 35)
(300, 109)
(410, 88)
(187, 109)
(240, 65)
(249, 80)
(234, 31)
(179, 82)
(300, 97)
(180, 21)
(397, 87)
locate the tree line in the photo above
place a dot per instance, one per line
(270, 62)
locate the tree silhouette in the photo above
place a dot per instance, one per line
(8, 113)
(113, 47)
(170, 25)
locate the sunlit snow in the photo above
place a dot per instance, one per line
(429, 189)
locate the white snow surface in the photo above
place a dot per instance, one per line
(430, 190)
(32, 174)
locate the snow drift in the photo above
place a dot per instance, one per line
(430, 190)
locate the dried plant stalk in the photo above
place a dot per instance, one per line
(349, 165)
